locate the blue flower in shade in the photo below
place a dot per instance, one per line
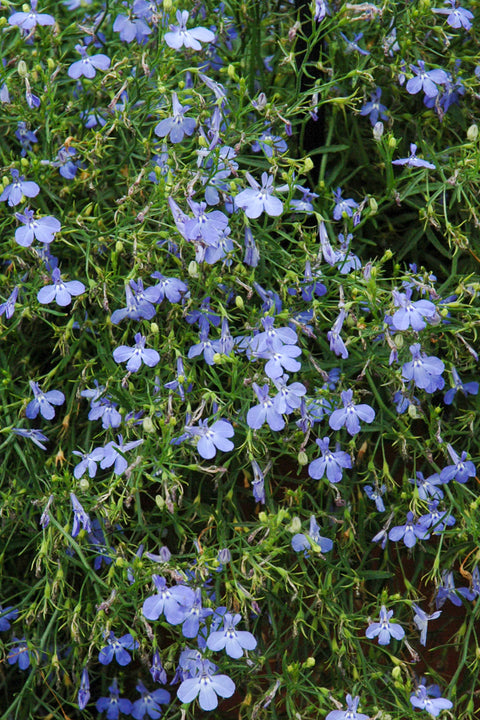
(350, 713)
(19, 188)
(149, 703)
(88, 65)
(458, 17)
(176, 126)
(409, 532)
(288, 397)
(171, 288)
(311, 541)
(421, 620)
(352, 45)
(106, 410)
(252, 254)
(411, 314)
(343, 205)
(84, 690)
(351, 414)
(270, 144)
(196, 614)
(205, 226)
(213, 438)
(25, 137)
(7, 614)
(447, 591)
(43, 402)
(375, 494)
(258, 483)
(136, 355)
(88, 462)
(413, 161)
(135, 309)
(233, 641)
(80, 517)
(333, 336)
(426, 80)
(113, 454)
(8, 307)
(179, 385)
(114, 704)
(35, 436)
(206, 685)
(374, 108)
(385, 629)
(330, 464)
(265, 411)
(178, 35)
(173, 602)
(157, 670)
(461, 470)
(433, 705)
(60, 291)
(435, 519)
(427, 487)
(259, 198)
(118, 649)
(19, 654)
(469, 388)
(28, 20)
(43, 229)
(424, 370)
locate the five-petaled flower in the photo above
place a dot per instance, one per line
(351, 414)
(259, 198)
(136, 355)
(60, 291)
(233, 641)
(179, 36)
(385, 629)
(206, 685)
(88, 65)
(350, 713)
(330, 464)
(43, 402)
(117, 648)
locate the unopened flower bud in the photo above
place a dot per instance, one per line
(302, 458)
(239, 302)
(147, 424)
(193, 269)
(472, 133)
(22, 69)
(84, 484)
(378, 130)
(392, 143)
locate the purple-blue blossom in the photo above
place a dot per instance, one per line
(149, 702)
(19, 654)
(43, 402)
(350, 713)
(426, 80)
(425, 371)
(114, 704)
(333, 336)
(461, 470)
(384, 630)
(88, 64)
(118, 649)
(313, 539)
(375, 494)
(468, 388)
(167, 287)
(351, 414)
(37, 437)
(206, 685)
(233, 641)
(330, 464)
(131, 28)
(447, 590)
(113, 454)
(435, 519)
(427, 487)
(374, 108)
(458, 17)
(421, 620)
(259, 198)
(409, 533)
(265, 411)
(43, 229)
(411, 314)
(18, 188)
(8, 307)
(433, 705)
(178, 36)
(28, 19)
(213, 438)
(176, 126)
(7, 614)
(60, 291)
(136, 355)
(413, 161)
(343, 205)
(81, 519)
(172, 602)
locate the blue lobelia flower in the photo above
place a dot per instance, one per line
(258, 483)
(29, 19)
(149, 703)
(352, 45)
(19, 654)
(173, 602)
(374, 108)
(205, 226)
(8, 307)
(233, 641)
(474, 592)
(265, 411)
(7, 614)
(88, 462)
(350, 713)
(424, 370)
(178, 35)
(259, 198)
(60, 291)
(433, 705)
(342, 205)
(80, 517)
(457, 16)
(421, 620)
(196, 615)
(461, 470)
(35, 436)
(117, 648)
(157, 670)
(176, 126)
(435, 519)
(213, 438)
(375, 494)
(469, 388)
(447, 591)
(411, 314)
(131, 29)
(25, 137)
(427, 487)
(43, 402)
(313, 540)
(88, 65)
(113, 454)
(426, 80)
(206, 685)
(385, 629)
(171, 288)
(288, 397)
(43, 229)
(409, 532)
(136, 355)
(413, 161)
(351, 414)
(333, 336)
(330, 464)
(114, 704)
(84, 690)
(16, 190)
